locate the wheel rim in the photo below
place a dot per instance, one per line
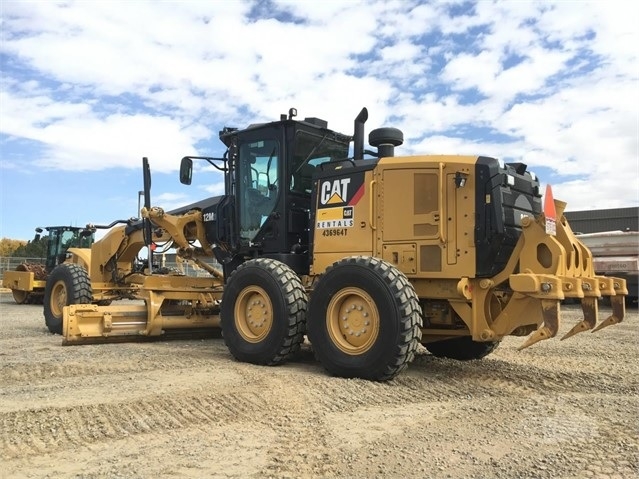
(20, 296)
(253, 314)
(58, 298)
(352, 321)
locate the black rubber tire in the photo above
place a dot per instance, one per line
(271, 282)
(67, 284)
(389, 300)
(462, 348)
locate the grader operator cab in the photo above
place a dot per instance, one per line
(367, 256)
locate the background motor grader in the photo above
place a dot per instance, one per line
(367, 257)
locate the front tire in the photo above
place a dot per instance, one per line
(263, 312)
(67, 284)
(462, 349)
(364, 319)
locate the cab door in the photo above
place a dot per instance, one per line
(257, 186)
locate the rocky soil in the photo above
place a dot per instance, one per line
(185, 408)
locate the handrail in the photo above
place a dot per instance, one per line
(371, 216)
(442, 237)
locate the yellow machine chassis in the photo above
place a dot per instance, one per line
(525, 297)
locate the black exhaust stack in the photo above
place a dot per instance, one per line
(358, 136)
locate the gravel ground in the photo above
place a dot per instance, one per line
(185, 408)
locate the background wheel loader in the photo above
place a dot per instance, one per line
(367, 256)
(28, 281)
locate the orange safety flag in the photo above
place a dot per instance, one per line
(550, 213)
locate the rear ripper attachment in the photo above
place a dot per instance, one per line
(552, 265)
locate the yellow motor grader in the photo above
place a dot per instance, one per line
(366, 255)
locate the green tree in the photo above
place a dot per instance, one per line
(32, 249)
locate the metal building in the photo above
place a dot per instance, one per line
(595, 221)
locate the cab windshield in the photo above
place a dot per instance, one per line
(310, 151)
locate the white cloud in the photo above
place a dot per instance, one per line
(76, 139)
(99, 85)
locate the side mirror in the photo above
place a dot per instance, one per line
(186, 171)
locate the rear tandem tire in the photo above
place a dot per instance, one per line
(67, 284)
(263, 312)
(462, 349)
(364, 319)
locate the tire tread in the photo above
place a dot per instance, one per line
(296, 305)
(461, 349)
(79, 291)
(407, 304)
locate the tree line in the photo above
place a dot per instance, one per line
(36, 248)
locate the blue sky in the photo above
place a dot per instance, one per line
(89, 88)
